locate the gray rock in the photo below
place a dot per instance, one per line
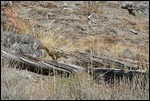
(23, 44)
(14, 39)
(128, 54)
(134, 32)
(92, 18)
(5, 35)
(141, 7)
(22, 48)
(129, 6)
(6, 3)
(104, 52)
(27, 38)
(36, 44)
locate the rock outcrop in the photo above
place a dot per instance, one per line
(24, 44)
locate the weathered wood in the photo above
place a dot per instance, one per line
(110, 62)
(110, 75)
(75, 67)
(53, 67)
(43, 65)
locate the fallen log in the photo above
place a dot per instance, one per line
(106, 62)
(44, 66)
(110, 75)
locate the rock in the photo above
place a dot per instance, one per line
(127, 53)
(104, 52)
(24, 44)
(6, 3)
(4, 36)
(23, 48)
(92, 18)
(141, 7)
(129, 6)
(134, 32)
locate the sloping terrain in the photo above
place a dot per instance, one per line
(115, 30)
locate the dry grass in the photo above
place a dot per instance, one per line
(96, 43)
(76, 87)
(55, 39)
(79, 86)
(17, 85)
(91, 7)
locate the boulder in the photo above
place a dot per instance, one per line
(24, 44)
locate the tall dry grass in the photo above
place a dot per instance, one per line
(24, 85)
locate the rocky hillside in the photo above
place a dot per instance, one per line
(117, 30)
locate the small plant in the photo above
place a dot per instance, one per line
(10, 20)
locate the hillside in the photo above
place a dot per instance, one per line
(117, 30)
